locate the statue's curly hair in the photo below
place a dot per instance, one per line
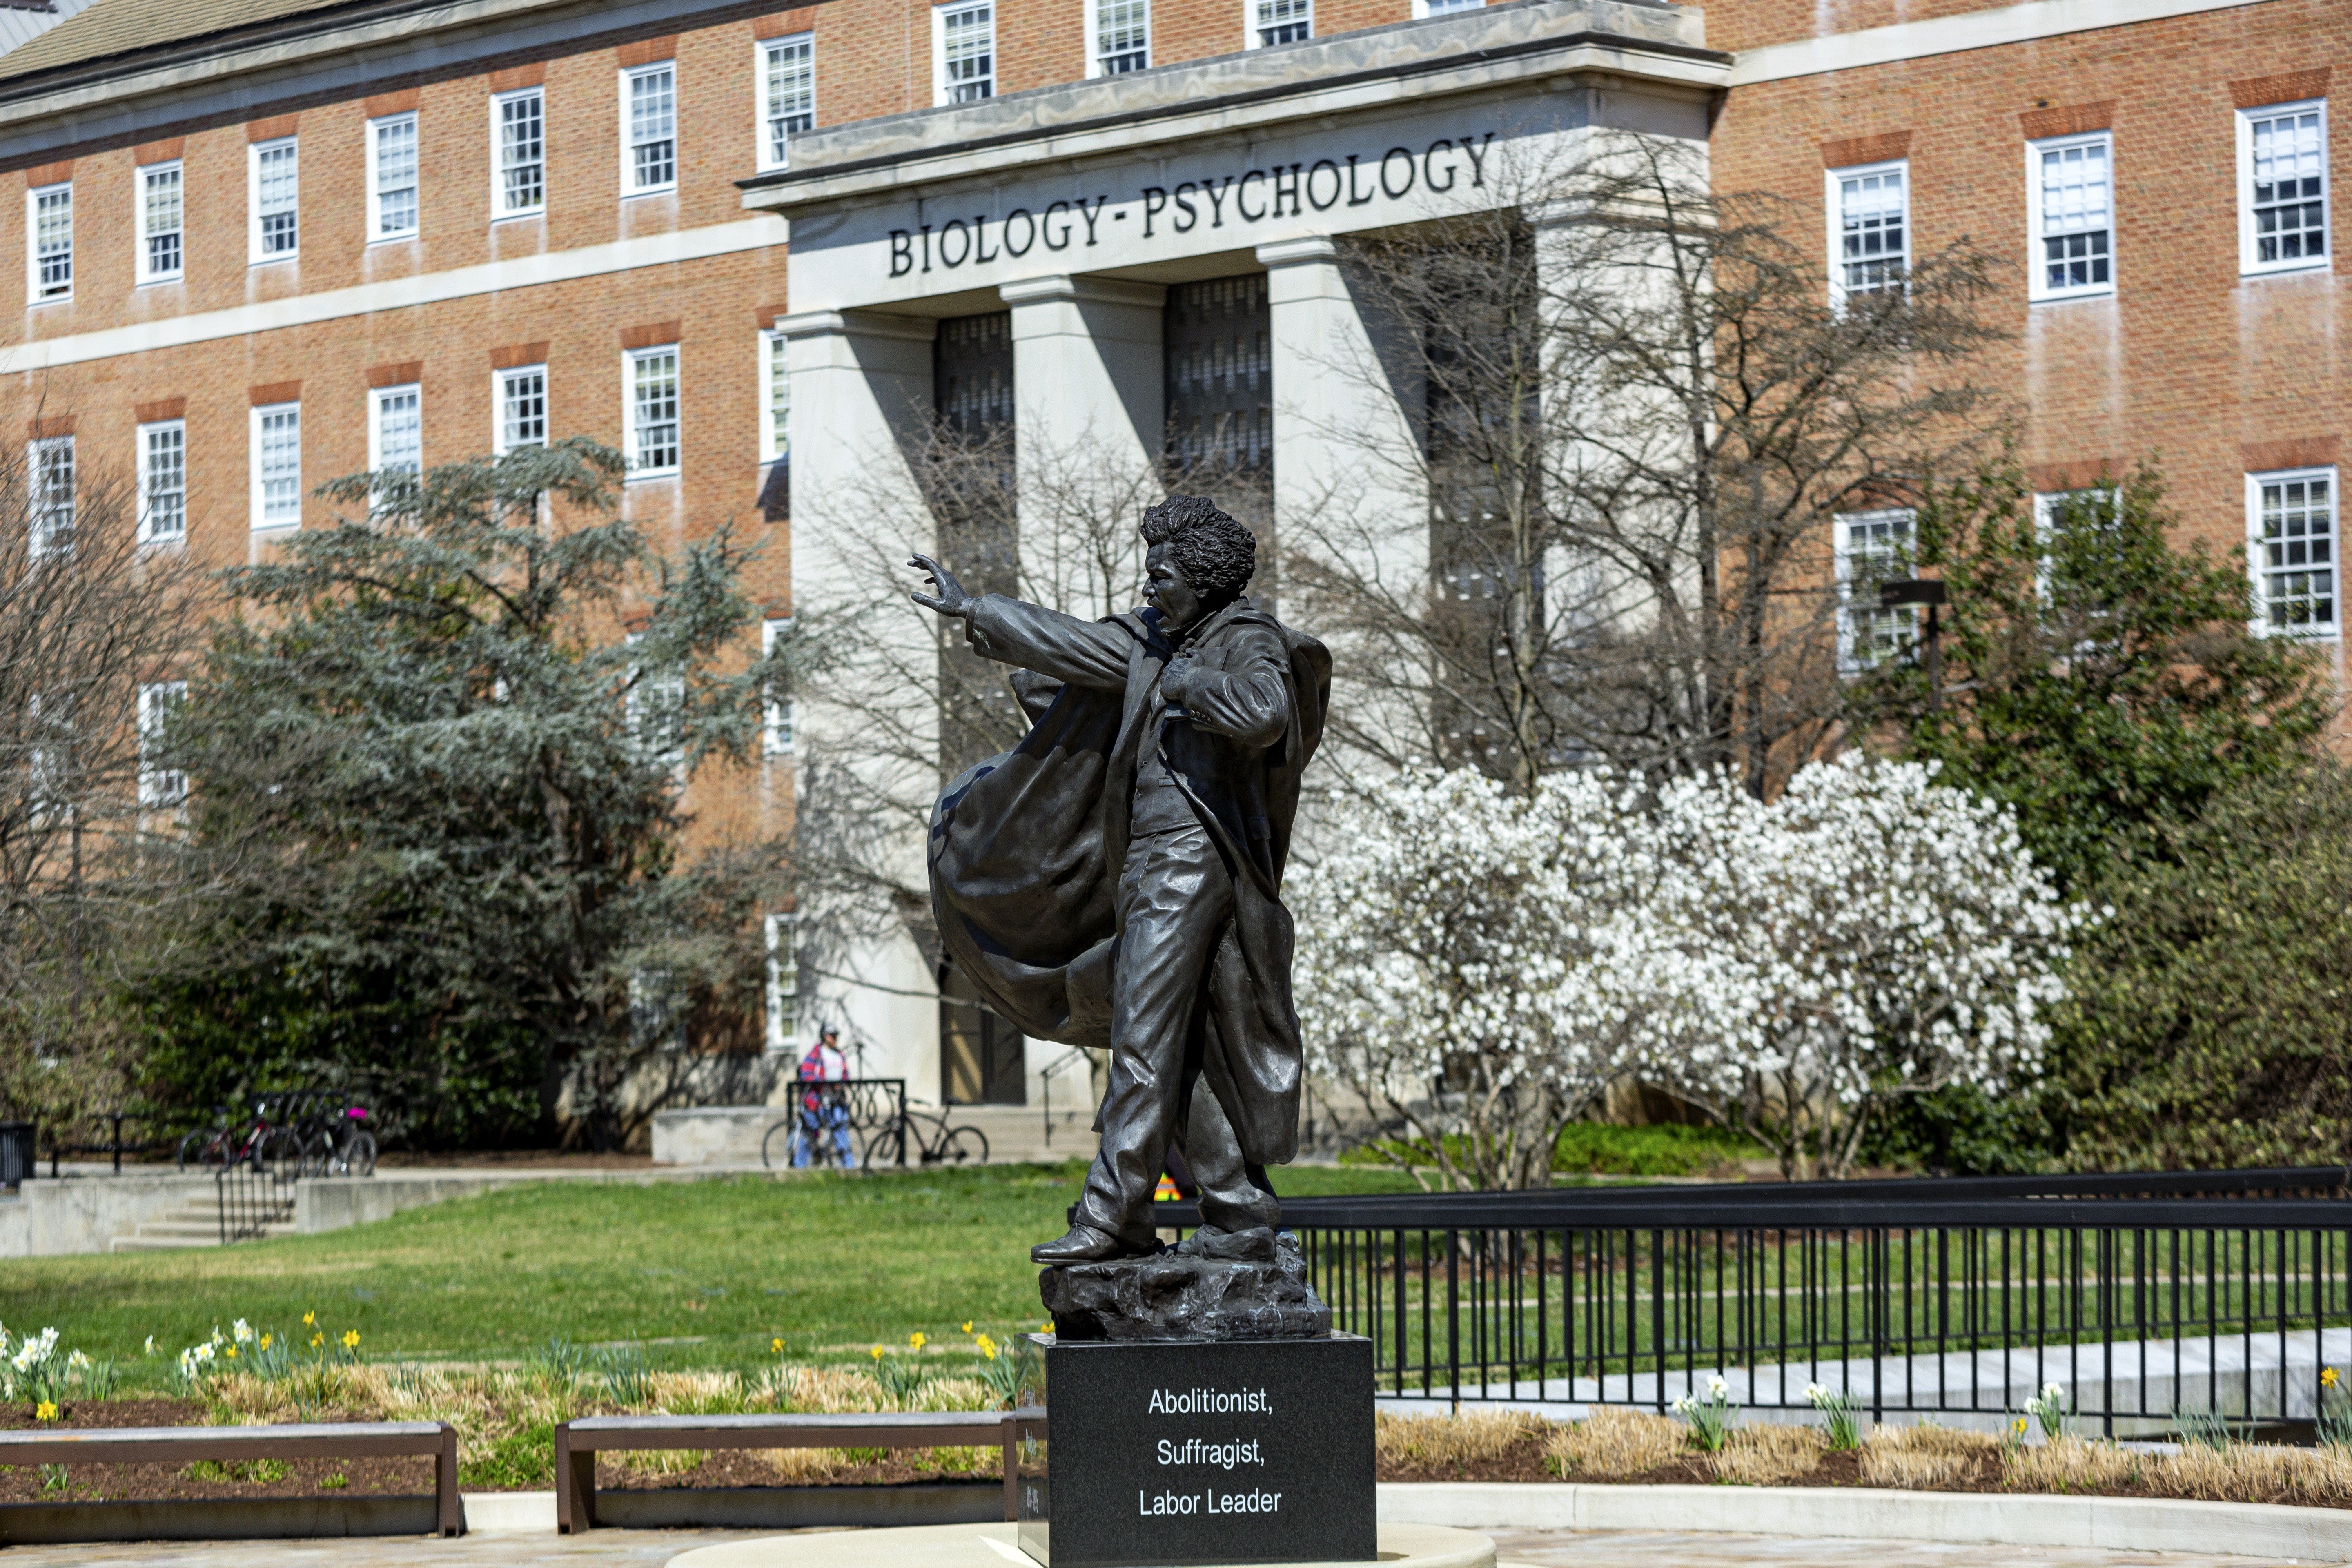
(1217, 555)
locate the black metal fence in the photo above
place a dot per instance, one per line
(2141, 1295)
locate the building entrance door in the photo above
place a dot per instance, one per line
(982, 1059)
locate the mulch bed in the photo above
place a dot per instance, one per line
(261, 1478)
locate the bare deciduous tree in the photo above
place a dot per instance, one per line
(1640, 407)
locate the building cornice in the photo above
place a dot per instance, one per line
(1542, 43)
(1968, 30)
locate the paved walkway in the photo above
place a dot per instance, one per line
(1530, 1548)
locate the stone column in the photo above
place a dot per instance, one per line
(1348, 482)
(1088, 384)
(861, 395)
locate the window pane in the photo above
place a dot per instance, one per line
(2290, 173)
(2076, 222)
(399, 431)
(281, 466)
(53, 496)
(1285, 21)
(163, 482)
(53, 241)
(522, 409)
(654, 377)
(653, 128)
(159, 215)
(523, 140)
(1122, 35)
(968, 42)
(1872, 548)
(779, 399)
(395, 177)
(1872, 239)
(792, 93)
(2298, 553)
(158, 786)
(277, 183)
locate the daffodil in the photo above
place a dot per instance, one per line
(317, 1340)
(232, 1352)
(967, 1327)
(919, 1339)
(150, 1349)
(876, 1353)
(242, 1329)
(776, 1345)
(2327, 1377)
(351, 1338)
(309, 1320)
(264, 1341)
(987, 1347)
(47, 1412)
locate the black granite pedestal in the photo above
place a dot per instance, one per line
(1200, 1451)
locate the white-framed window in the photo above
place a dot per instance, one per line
(1118, 36)
(649, 129)
(963, 52)
(396, 428)
(162, 223)
(274, 196)
(783, 981)
(1873, 547)
(51, 762)
(159, 786)
(651, 394)
(49, 219)
(1269, 22)
(49, 464)
(1424, 9)
(2291, 542)
(776, 405)
(518, 153)
(2283, 187)
(277, 441)
(776, 712)
(2072, 179)
(1869, 228)
(786, 72)
(163, 481)
(520, 396)
(392, 177)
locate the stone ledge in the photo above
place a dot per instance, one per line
(2115, 1524)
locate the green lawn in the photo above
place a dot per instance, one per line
(702, 1273)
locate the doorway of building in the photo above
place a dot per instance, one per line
(983, 1058)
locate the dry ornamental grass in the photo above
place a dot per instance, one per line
(1616, 1443)
(1426, 1442)
(1768, 1456)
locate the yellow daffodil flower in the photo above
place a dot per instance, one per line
(967, 1327)
(232, 1352)
(776, 1345)
(309, 1320)
(47, 1412)
(2327, 1377)
(876, 1353)
(351, 1338)
(317, 1340)
(919, 1339)
(264, 1341)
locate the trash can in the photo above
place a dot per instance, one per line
(16, 1154)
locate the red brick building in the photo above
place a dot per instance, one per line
(270, 242)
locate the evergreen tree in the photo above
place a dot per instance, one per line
(438, 768)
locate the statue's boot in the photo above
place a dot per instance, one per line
(1084, 1243)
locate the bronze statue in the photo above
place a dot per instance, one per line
(1114, 880)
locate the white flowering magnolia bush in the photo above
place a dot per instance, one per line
(1868, 934)
(1456, 942)
(1477, 964)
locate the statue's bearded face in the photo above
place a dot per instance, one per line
(1165, 585)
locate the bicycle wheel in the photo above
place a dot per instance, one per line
(279, 1154)
(963, 1146)
(357, 1157)
(318, 1155)
(776, 1148)
(193, 1149)
(887, 1144)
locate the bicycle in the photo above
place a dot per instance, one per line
(259, 1140)
(946, 1146)
(338, 1145)
(826, 1124)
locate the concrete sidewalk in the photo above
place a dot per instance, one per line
(1533, 1548)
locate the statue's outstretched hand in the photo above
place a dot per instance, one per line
(949, 599)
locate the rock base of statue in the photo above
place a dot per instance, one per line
(1176, 1297)
(1199, 1451)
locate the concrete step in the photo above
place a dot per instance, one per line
(191, 1225)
